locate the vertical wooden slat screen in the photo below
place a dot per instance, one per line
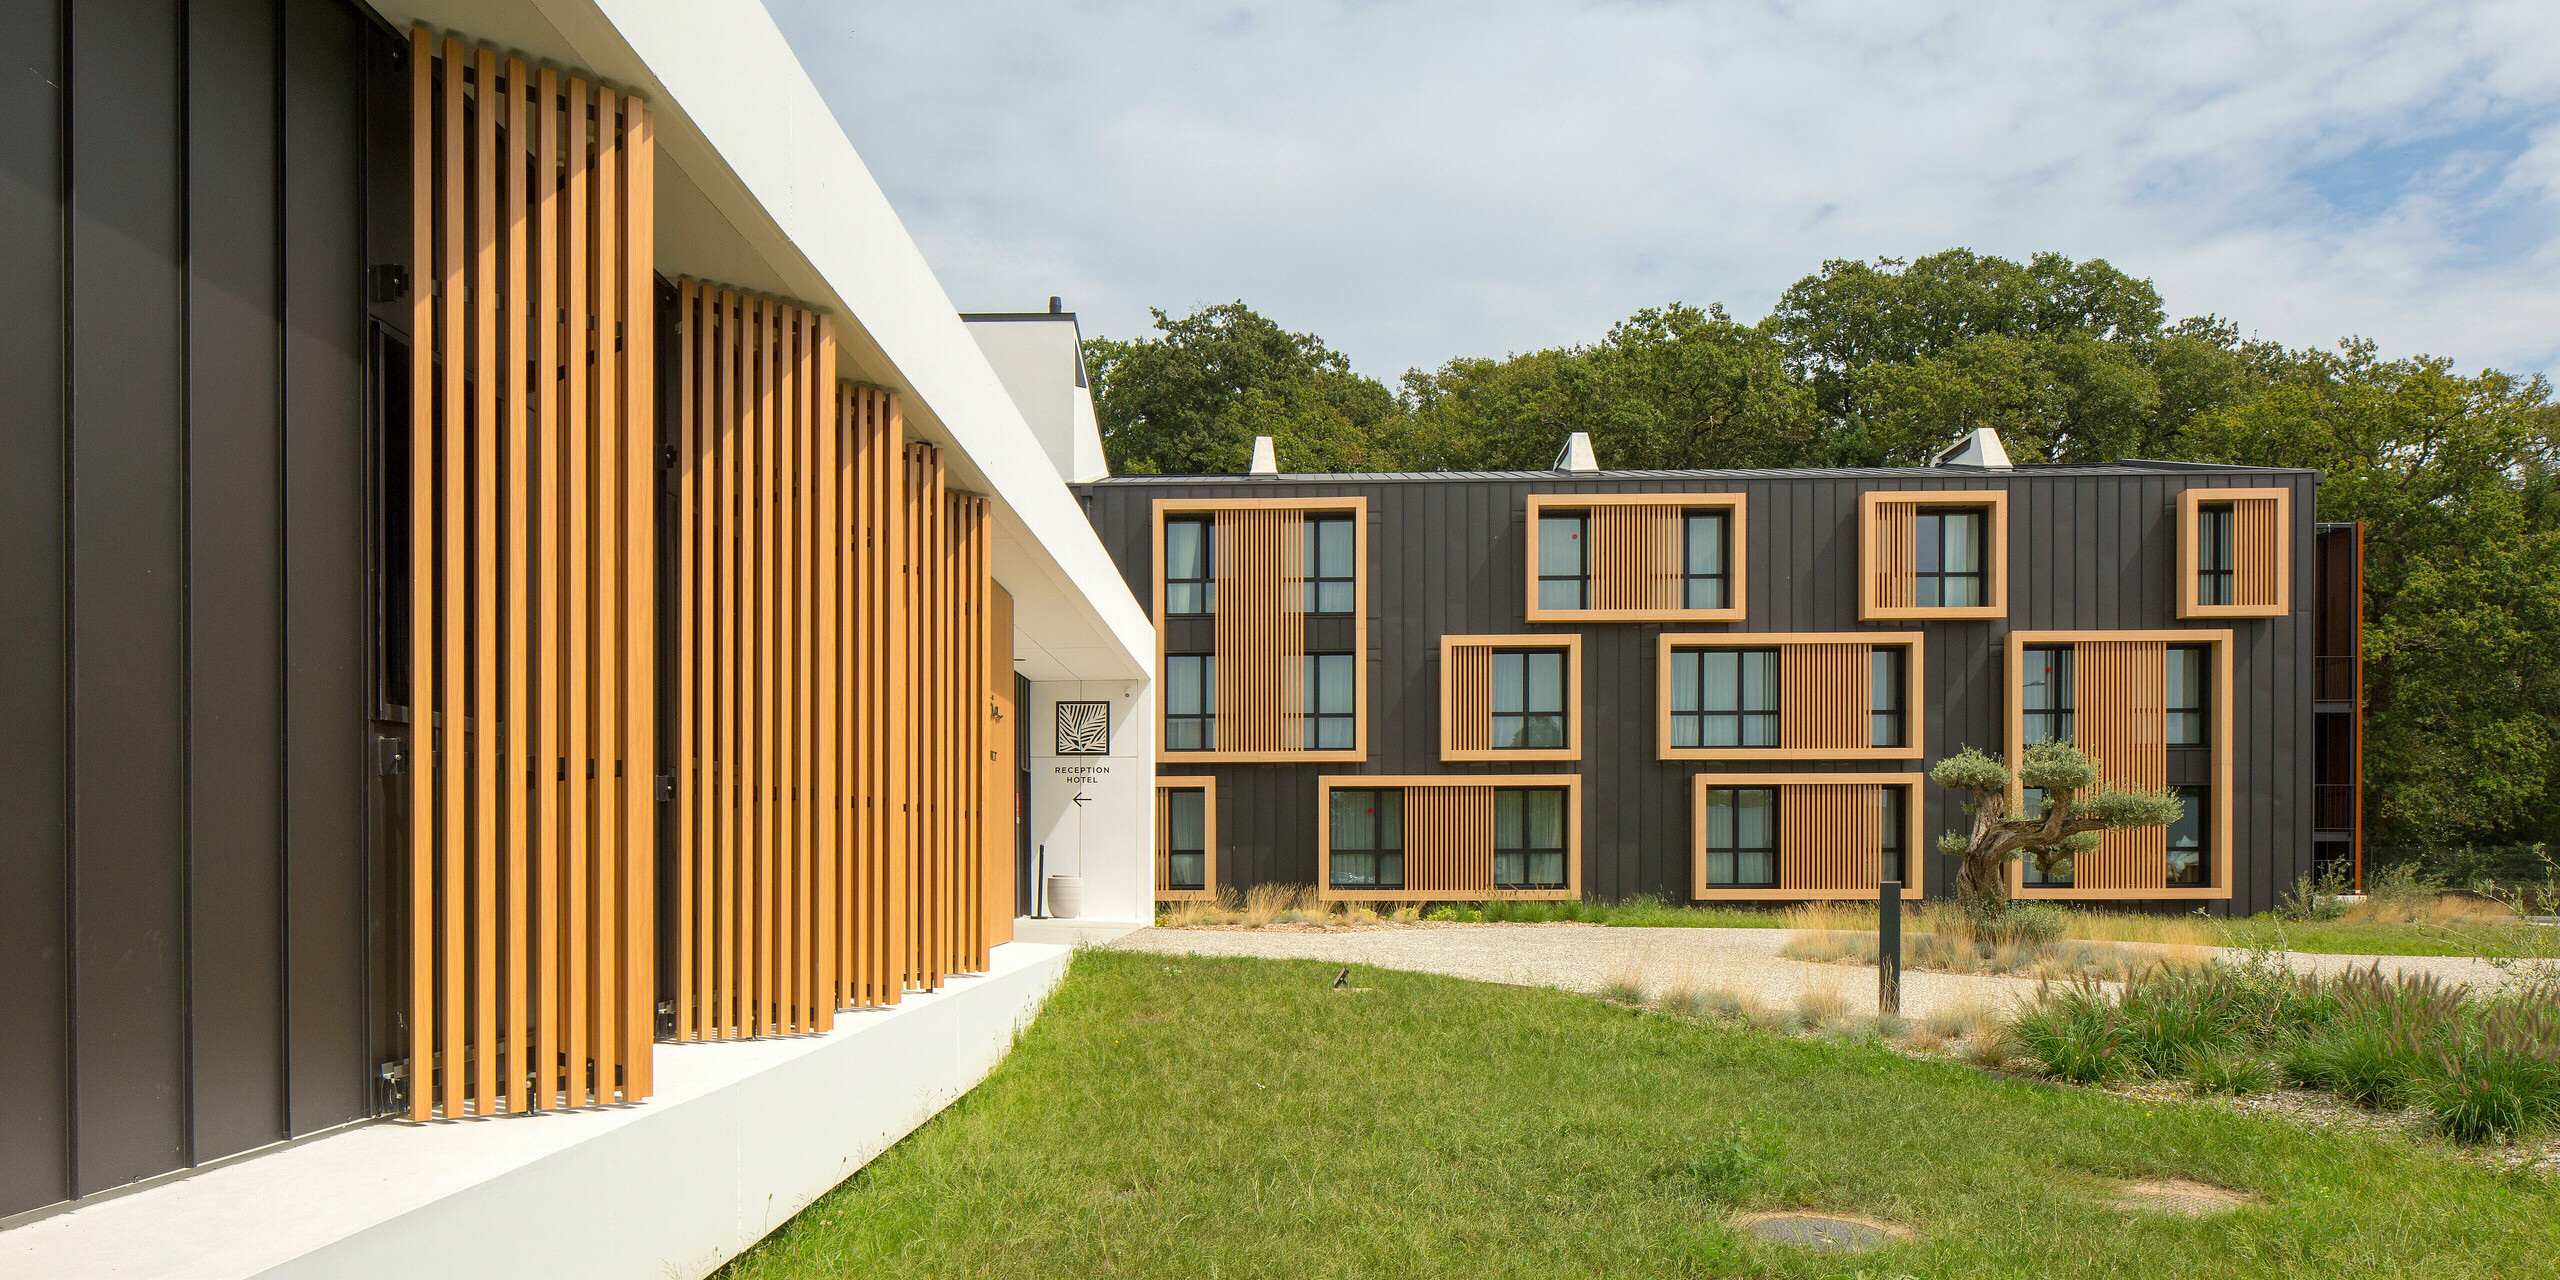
(2122, 691)
(1002, 763)
(1471, 698)
(1261, 629)
(871, 938)
(1636, 557)
(2257, 545)
(1895, 582)
(1448, 840)
(530, 888)
(1824, 696)
(1830, 836)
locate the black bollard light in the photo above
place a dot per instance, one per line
(1889, 949)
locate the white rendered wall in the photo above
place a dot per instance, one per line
(1109, 839)
(1039, 359)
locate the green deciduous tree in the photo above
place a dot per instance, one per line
(2077, 807)
(1192, 399)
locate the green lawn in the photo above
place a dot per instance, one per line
(1186, 1117)
(2354, 937)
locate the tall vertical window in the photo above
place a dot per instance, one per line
(1333, 702)
(1528, 699)
(2187, 842)
(1724, 698)
(1528, 838)
(1190, 583)
(1367, 839)
(2188, 704)
(1186, 839)
(1951, 570)
(1888, 713)
(2046, 696)
(1742, 837)
(2213, 554)
(1895, 866)
(1190, 702)
(1332, 565)
(1564, 561)
(1706, 566)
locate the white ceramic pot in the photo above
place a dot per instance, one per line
(1066, 897)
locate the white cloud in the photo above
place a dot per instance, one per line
(1425, 179)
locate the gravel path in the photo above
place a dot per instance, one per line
(1589, 958)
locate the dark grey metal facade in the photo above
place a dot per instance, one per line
(189, 928)
(2090, 548)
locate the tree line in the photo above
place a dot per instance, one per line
(1883, 363)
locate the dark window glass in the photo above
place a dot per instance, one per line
(1706, 561)
(1887, 716)
(1190, 580)
(1890, 823)
(1333, 702)
(2188, 843)
(1186, 846)
(1332, 565)
(1528, 700)
(1528, 838)
(1724, 698)
(1190, 702)
(2046, 693)
(1368, 839)
(1564, 561)
(2188, 702)
(1952, 563)
(2213, 554)
(1742, 837)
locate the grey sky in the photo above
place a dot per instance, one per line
(1421, 180)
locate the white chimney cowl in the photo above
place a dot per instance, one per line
(1265, 463)
(1979, 448)
(1576, 454)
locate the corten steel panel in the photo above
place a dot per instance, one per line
(2087, 548)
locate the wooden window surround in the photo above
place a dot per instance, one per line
(1449, 836)
(2120, 697)
(1888, 553)
(2261, 553)
(1830, 841)
(1825, 692)
(1466, 696)
(1636, 560)
(1260, 566)
(1208, 788)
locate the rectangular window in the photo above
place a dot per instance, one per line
(1952, 561)
(1186, 844)
(1724, 698)
(1333, 702)
(1528, 838)
(2187, 842)
(1706, 560)
(1742, 837)
(2213, 554)
(1332, 565)
(1888, 716)
(2046, 695)
(1564, 561)
(1528, 700)
(1190, 702)
(1368, 839)
(1891, 824)
(2188, 705)
(1190, 580)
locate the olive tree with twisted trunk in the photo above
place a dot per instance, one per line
(2077, 807)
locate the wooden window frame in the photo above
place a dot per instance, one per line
(1569, 645)
(1700, 783)
(2189, 501)
(1915, 718)
(1737, 555)
(2218, 734)
(1871, 554)
(1409, 783)
(1207, 786)
(1357, 506)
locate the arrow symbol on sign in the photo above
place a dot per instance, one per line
(1080, 798)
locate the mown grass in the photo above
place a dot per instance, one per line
(1188, 1117)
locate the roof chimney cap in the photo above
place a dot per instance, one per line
(1576, 454)
(1057, 305)
(1264, 462)
(1979, 448)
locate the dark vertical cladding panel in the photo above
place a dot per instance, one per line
(324, 556)
(234, 444)
(34, 968)
(128, 320)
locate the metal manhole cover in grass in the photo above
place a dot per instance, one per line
(1807, 1231)
(2177, 1196)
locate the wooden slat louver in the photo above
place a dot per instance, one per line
(2122, 691)
(1823, 697)
(1261, 628)
(1470, 697)
(1895, 576)
(2257, 548)
(532, 587)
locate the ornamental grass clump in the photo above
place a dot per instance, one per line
(2232, 1072)
(2074, 1034)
